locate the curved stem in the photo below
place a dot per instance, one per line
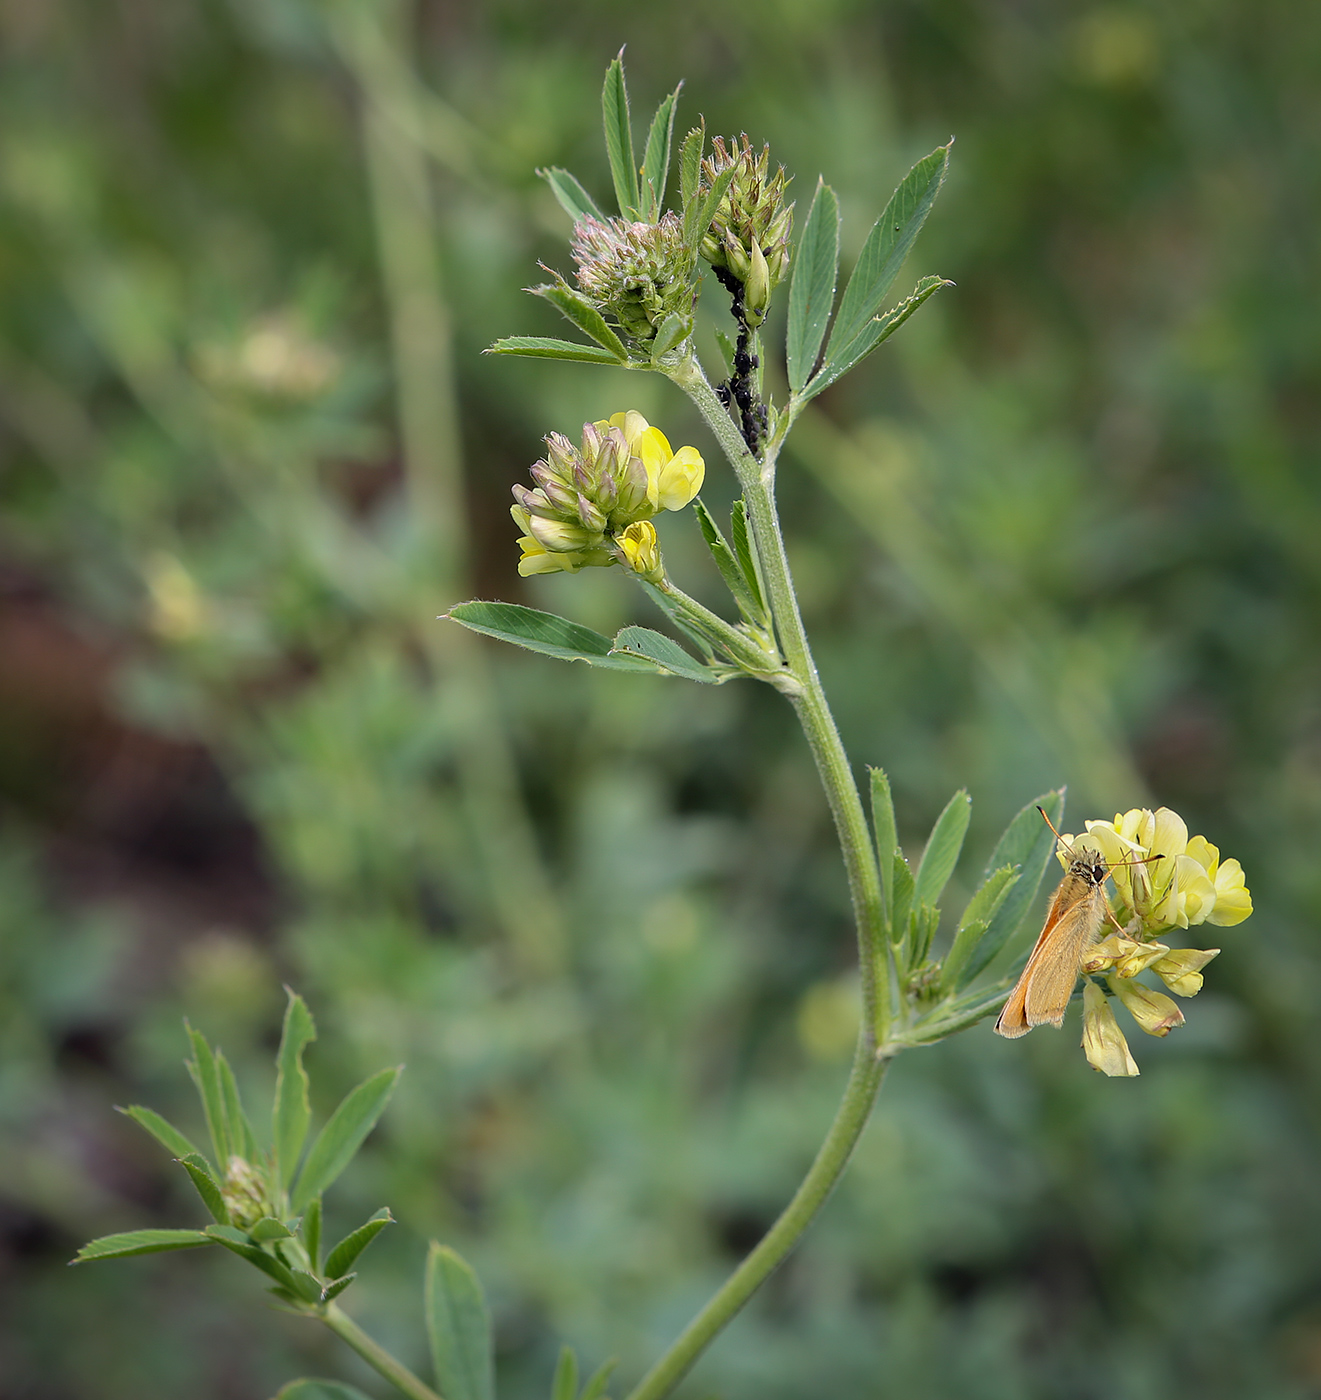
(859, 1096)
(376, 1356)
(756, 477)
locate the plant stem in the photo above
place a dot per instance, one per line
(756, 477)
(376, 1356)
(859, 1096)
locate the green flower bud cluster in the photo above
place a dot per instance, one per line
(245, 1193)
(749, 235)
(588, 501)
(637, 273)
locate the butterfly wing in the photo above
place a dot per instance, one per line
(1042, 993)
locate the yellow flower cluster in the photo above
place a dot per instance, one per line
(588, 504)
(1164, 880)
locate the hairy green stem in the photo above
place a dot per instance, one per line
(376, 1356)
(756, 476)
(859, 1096)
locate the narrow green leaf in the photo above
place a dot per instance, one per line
(311, 1389)
(727, 350)
(237, 1243)
(726, 562)
(925, 918)
(976, 920)
(312, 1232)
(690, 174)
(199, 1170)
(745, 549)
(337, 1142)
(576, 308)
(665, 652)
(619, 139)
(812, 290)
(595, 1387)
(228, 1234)
(1026, 843)
(656, 160)
(139, 1242)
(268, 1228)
(293, 1111)
(671, 332)
(341, 1259)
(545, 633)
(539, 347)
(711, 201)
(886, 248)
(565, 1384)
(242, 1139)
(901, 896)
(878, 329)
(165, 1133)
(307, 1286)
(574, 200)
(887, 838)
(333, 1290)
(459, 1327)
(942, 852)
(202, 1068)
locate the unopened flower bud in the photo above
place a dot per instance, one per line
(591, 516)
(637, 273)
(561, 535)
(1102, 1041)
(244, 1193)
(749, 235)
(757, 288)
(1138, 958)
(1154, 1012)
(1181, 970)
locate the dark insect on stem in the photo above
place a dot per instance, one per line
(739, 388)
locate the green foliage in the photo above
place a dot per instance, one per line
(1066, 530)
(812, 290)
(342, 1258)
(140, 1242)
(293, 1110)
(336, 1144)
(547, 634)
(459, 1326)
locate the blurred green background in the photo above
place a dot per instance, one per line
(1066, 527)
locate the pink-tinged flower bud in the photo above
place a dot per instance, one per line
(561, 536)
(1154, 1012)
(590, 516)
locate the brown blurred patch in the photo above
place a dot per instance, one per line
(145, 822)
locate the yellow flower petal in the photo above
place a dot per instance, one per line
(1181, 970)
(1102, 1041)
(1233, 902)
(680, 479)
(1154, 1012)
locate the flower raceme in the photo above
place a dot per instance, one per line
(1165, 881)
(587, 500)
